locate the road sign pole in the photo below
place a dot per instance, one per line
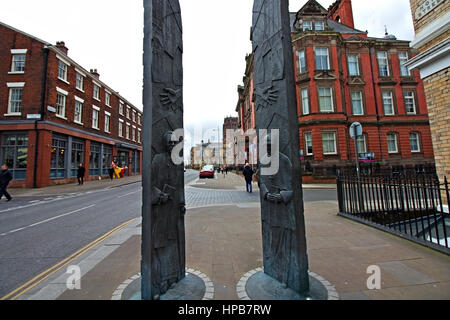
(358, 173)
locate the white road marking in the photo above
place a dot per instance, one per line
(127, 194)
(45, 221)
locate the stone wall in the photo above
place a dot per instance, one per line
(436, 13)
(437, 88)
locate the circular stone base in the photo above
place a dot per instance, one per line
(195, 286)
(256, 285)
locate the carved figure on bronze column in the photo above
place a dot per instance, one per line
(284, 242)
(168, 209)
(278, 219)
(167, 70)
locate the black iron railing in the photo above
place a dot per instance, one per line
(414, 206)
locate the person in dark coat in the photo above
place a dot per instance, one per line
(81, 173)
(5, 178)
(111, 171)
(248, 175)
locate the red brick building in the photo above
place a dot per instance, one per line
(54, 115)
(344, 76)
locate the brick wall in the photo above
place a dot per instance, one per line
(435, 41)
(438, 12)
(437, 88)
(32, 76)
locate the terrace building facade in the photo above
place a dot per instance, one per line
(344, 76)
(54, 115)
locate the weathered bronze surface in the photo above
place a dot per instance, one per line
(283, 226)
(163, 233)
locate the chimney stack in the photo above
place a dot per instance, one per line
(62, 46)
(95, 73)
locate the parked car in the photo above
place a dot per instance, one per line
(207, 172)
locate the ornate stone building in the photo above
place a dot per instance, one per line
(432, 26)
(344, 76)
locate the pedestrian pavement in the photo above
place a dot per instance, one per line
(223, 241)
(71, 188)
(233, 181)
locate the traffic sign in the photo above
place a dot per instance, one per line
(359, 130)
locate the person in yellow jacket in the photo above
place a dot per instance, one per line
(116, 171)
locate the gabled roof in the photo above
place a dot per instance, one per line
(25, 34)
(312, 7)
(342, 28)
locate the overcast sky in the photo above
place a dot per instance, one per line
(107, 35)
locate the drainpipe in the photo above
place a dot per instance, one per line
(376, 102)
(42, 112)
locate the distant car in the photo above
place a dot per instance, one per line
(207, 172)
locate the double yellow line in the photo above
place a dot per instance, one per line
(49, 272)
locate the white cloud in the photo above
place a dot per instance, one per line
(107, 35)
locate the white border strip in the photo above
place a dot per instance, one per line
(242, 291)
(209, 286)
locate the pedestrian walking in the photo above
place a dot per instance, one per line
(80, 175)
(248, 175)
(226, 170)
(5, 179)
(111, 171)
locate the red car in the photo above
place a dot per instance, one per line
(207, 172)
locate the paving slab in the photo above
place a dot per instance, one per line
(224, 242)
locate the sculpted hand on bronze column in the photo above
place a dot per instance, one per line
(267, 96)
(170, 97)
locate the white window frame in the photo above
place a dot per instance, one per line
(12, 86)
(107, 122)
(139, 135)
(305, 105)
(412, 96)
(79, 79)
(316, 50)
(95, 125)
(96, 93)
(133, 134)
(108, 98)
(16, 53)
(302, 57)
(360, 99)
(353, 62)
(391, 97)
(62, 93)
(127, 131)
(417, 135)
(402, 59)
(80, 102)
(66, 71)
(134, 116)
(316, 23)
(307, 141)
(392, 134)
(121, 123)
(381, 60)
(307, 23)
(121, 105)
(331, 98)
(139, 119)
(362, 139)
(335, 143)
(128, 112)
